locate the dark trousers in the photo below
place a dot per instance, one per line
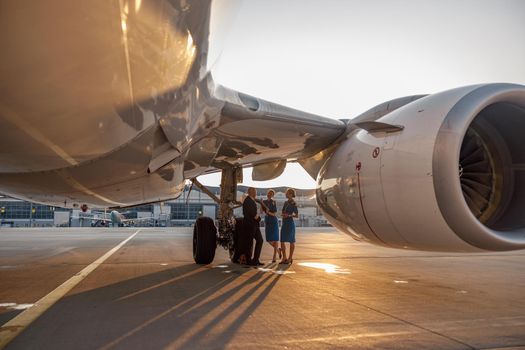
(244, 244)
(258, 243)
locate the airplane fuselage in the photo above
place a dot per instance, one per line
(113, 104)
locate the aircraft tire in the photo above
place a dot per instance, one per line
(204, 240)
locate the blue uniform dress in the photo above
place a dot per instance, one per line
(288, 227)
(271, 225)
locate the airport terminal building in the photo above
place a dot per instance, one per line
(178, 212)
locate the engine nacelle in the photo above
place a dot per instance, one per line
(452, 179)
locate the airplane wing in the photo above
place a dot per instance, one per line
(139, 219)
(229, 129)
(103, 219)
(250, 131)
(90, 218)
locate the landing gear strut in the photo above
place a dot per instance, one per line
(204, 231)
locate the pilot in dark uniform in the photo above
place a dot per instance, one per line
(251, 228)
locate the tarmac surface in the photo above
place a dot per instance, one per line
(338, 293)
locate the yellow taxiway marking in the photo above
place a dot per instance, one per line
(16, 325)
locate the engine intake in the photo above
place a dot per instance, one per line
(491, 167)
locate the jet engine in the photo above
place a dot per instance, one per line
(445, 172)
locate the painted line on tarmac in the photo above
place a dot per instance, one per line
(16, 325)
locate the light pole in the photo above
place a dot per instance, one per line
(31, 212)
(53, 211)
(187, 206)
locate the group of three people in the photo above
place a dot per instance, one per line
(271, 225)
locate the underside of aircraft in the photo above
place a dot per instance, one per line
(112, 104)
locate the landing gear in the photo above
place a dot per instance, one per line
(204, 240)
(225, 237)
(234, 252)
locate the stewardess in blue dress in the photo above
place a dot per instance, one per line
(271, 224)
(288, 228)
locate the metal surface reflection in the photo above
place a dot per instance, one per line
(113, 104)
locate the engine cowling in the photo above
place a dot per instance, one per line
(450, 178)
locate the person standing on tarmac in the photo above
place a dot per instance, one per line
(271, 225)
(251, 225)
(288, 227)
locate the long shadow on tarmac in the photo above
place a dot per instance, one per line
(8, 315)
(176, 307)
